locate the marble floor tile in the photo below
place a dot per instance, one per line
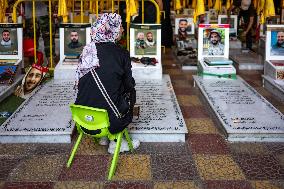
(201, 126)
(188, 100)
(128, 185)
(133, 167)
(207, 144)
(176, 185)
(78, 185)
(162, 148)
(29, 185)
(260, 166)
(225, 184)
(248, 148)
(265, 184)
(87, 168)
(7, 164)
(38, 169)
(173, 167)
(218, 167)
(194, 112)
(89, 147)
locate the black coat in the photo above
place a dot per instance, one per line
(116, 75)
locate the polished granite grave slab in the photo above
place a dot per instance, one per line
(160, 119)
(244, 114)
(246, 60)
(43, 118)
(276, 88)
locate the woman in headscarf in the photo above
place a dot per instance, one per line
(113, 66)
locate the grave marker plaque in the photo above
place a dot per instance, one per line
(243, 112)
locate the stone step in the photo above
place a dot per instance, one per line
(244, 115)
(246, 61)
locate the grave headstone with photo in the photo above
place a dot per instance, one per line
(234, 103)
(213, 40)
(186, 44)
(11, 56)
(145, 51)
(73, 38)
(273, 78)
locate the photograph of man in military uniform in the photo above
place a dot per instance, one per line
(74, 41)
(213, 41)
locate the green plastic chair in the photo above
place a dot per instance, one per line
(95, 122)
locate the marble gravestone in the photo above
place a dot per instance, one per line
(160, 119)
(244, 114)
(276, 87)
(246, 61)
(44, 117)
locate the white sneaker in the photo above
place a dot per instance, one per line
(124, 145)
(103, 141)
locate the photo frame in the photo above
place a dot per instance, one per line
(213, 40)
(282, 16)
(188, 12)
(12, 48)
(145, 40)
(73, 31)
(274, 42)
(213, 16)
(186, 23)
(7, 73)
(222, 19)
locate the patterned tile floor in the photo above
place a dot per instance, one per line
(205, 161)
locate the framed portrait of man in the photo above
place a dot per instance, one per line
(223, 19)
(184, 26)
(145, 40)
(11, 41)
(73, 38)
(213, 40)
(275, 42)
(213, 16)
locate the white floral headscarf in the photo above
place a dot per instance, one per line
(105, 29)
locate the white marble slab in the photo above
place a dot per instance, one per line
(274, 87)
(46, 118)
(141, 71)
(66, 72)
(244, 113)
(246, 61)
(159, 112)
(45, 114)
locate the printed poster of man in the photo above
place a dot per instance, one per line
(9, 41)
(31, 81)
(274, 42)
(184, 26)
(213, 40)
(74, 41)
(277, 43)
(145, 41)
(223, 19)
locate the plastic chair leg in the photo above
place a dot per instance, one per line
(130, 145)
(115, 156)
(74, 150)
